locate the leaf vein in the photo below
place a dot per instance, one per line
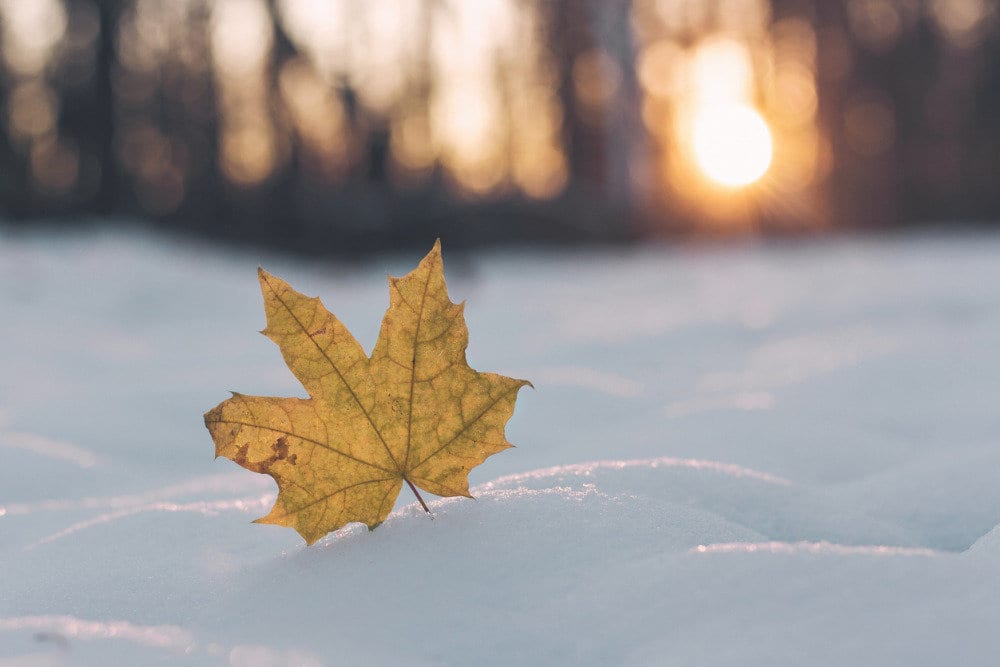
(324, 445)
(439, 336)
(413, 370)
(466, 426)
(340, 375)
(399, 293)
(335, 493)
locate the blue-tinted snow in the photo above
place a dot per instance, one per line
(753, 454)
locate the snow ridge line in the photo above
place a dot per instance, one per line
(158, 636)
(588, 468)
(173, 638)
(805, 547)
(206, 507)
(225, 482)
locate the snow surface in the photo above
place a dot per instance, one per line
(751, 454)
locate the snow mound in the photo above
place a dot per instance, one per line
(577, 564)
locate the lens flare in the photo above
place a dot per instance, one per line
(732, 145)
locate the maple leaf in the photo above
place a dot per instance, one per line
(414, 411)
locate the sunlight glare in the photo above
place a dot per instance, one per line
(732, 144)
(721, 71)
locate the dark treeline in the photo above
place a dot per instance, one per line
(333, 126)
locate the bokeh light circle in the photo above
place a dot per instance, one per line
(732, 145)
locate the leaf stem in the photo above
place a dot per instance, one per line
(417, 494)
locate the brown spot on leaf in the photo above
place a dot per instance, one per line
(241, 457)
(279, 452)
(241, 454)
(280, 448)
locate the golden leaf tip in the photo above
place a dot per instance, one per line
(434, 253)
(266, 278)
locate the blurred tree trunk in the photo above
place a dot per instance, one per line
(984, 170)
(832, 39)
(13, 173)
(106, 199)
(568, 27)
(203, 207)
(611, 22)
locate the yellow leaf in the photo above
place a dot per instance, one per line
(413, 412)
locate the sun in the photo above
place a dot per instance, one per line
(732, 144)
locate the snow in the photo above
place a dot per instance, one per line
(750, 454)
